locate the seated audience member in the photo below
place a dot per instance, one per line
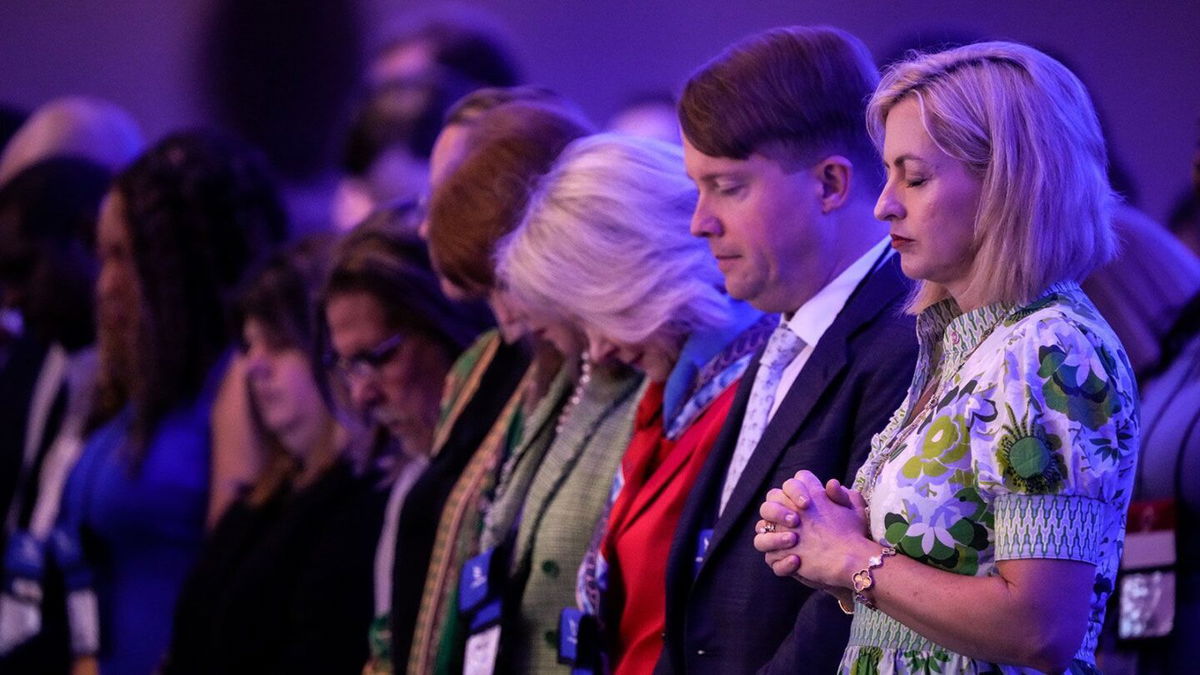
(1168, 474)
(176, 232)
(1141, 290)
(606, 240)
(75, 125)
(996, 495)
(499, 142)
(648, 116)
(48, 273)
(394, 337)
(459, 41)
(776, 142)
(386, 154)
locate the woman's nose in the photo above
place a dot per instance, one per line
(364, 395)
(600, 349)
(255, 360)
(107, 281)
(888, 207)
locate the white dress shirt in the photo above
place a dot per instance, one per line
(815, 317)
(809, 322)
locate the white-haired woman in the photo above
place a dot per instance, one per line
(605, 241)
(983, 532)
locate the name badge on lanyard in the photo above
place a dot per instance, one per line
(703, 540)
(475, 584)
(482, 649)
(479, 602)
(578, 641)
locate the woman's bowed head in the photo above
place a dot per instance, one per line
(995, 165)
(995, 496)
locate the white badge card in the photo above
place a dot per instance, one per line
(482, 649)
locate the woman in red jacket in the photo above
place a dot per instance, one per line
(605, 241)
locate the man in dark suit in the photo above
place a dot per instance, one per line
(775, 139)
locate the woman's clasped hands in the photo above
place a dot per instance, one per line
(814, 533)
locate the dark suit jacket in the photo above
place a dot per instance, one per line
(18, 378)
(47, 652)
(420, 514)
(734, 615)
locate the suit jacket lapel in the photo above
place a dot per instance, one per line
(823, 366)
(877, 292)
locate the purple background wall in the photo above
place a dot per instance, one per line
(1141, 59)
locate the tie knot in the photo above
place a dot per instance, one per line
(782, 348)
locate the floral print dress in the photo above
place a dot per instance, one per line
(1025, 450)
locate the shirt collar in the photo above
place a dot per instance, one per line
(959, 333)
(816, 315)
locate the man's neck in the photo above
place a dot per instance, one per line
(858, 231)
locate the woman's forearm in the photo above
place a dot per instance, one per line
(1028, 612)
(1033, 613)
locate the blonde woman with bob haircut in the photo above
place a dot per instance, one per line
(605, 241)
(984, 530)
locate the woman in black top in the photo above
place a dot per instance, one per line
(284, 582)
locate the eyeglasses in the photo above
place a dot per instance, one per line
(366, 364)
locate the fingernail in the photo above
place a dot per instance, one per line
(790, 519)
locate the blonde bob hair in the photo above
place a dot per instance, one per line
(605, 241)
(1025, 125)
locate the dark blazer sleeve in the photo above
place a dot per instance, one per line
(880, 386)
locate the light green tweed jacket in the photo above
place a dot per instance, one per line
(567, 495)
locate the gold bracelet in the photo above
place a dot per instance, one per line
(846, 609)
(864, 579)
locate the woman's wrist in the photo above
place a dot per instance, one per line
(856, 559)
(863, 581)
(844, 597)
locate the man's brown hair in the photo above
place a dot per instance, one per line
(795, 94)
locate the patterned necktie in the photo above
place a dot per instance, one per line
(782, 349)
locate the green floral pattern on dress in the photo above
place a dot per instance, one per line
(1026, 450)
(867, 662)
(951, 538)
(944, 445)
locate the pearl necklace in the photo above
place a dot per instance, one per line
(585, 376)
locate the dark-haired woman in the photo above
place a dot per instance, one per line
(176, 232)
(284, 581)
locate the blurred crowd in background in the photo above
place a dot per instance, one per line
(246, 429)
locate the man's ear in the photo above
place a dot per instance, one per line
(834, 174)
